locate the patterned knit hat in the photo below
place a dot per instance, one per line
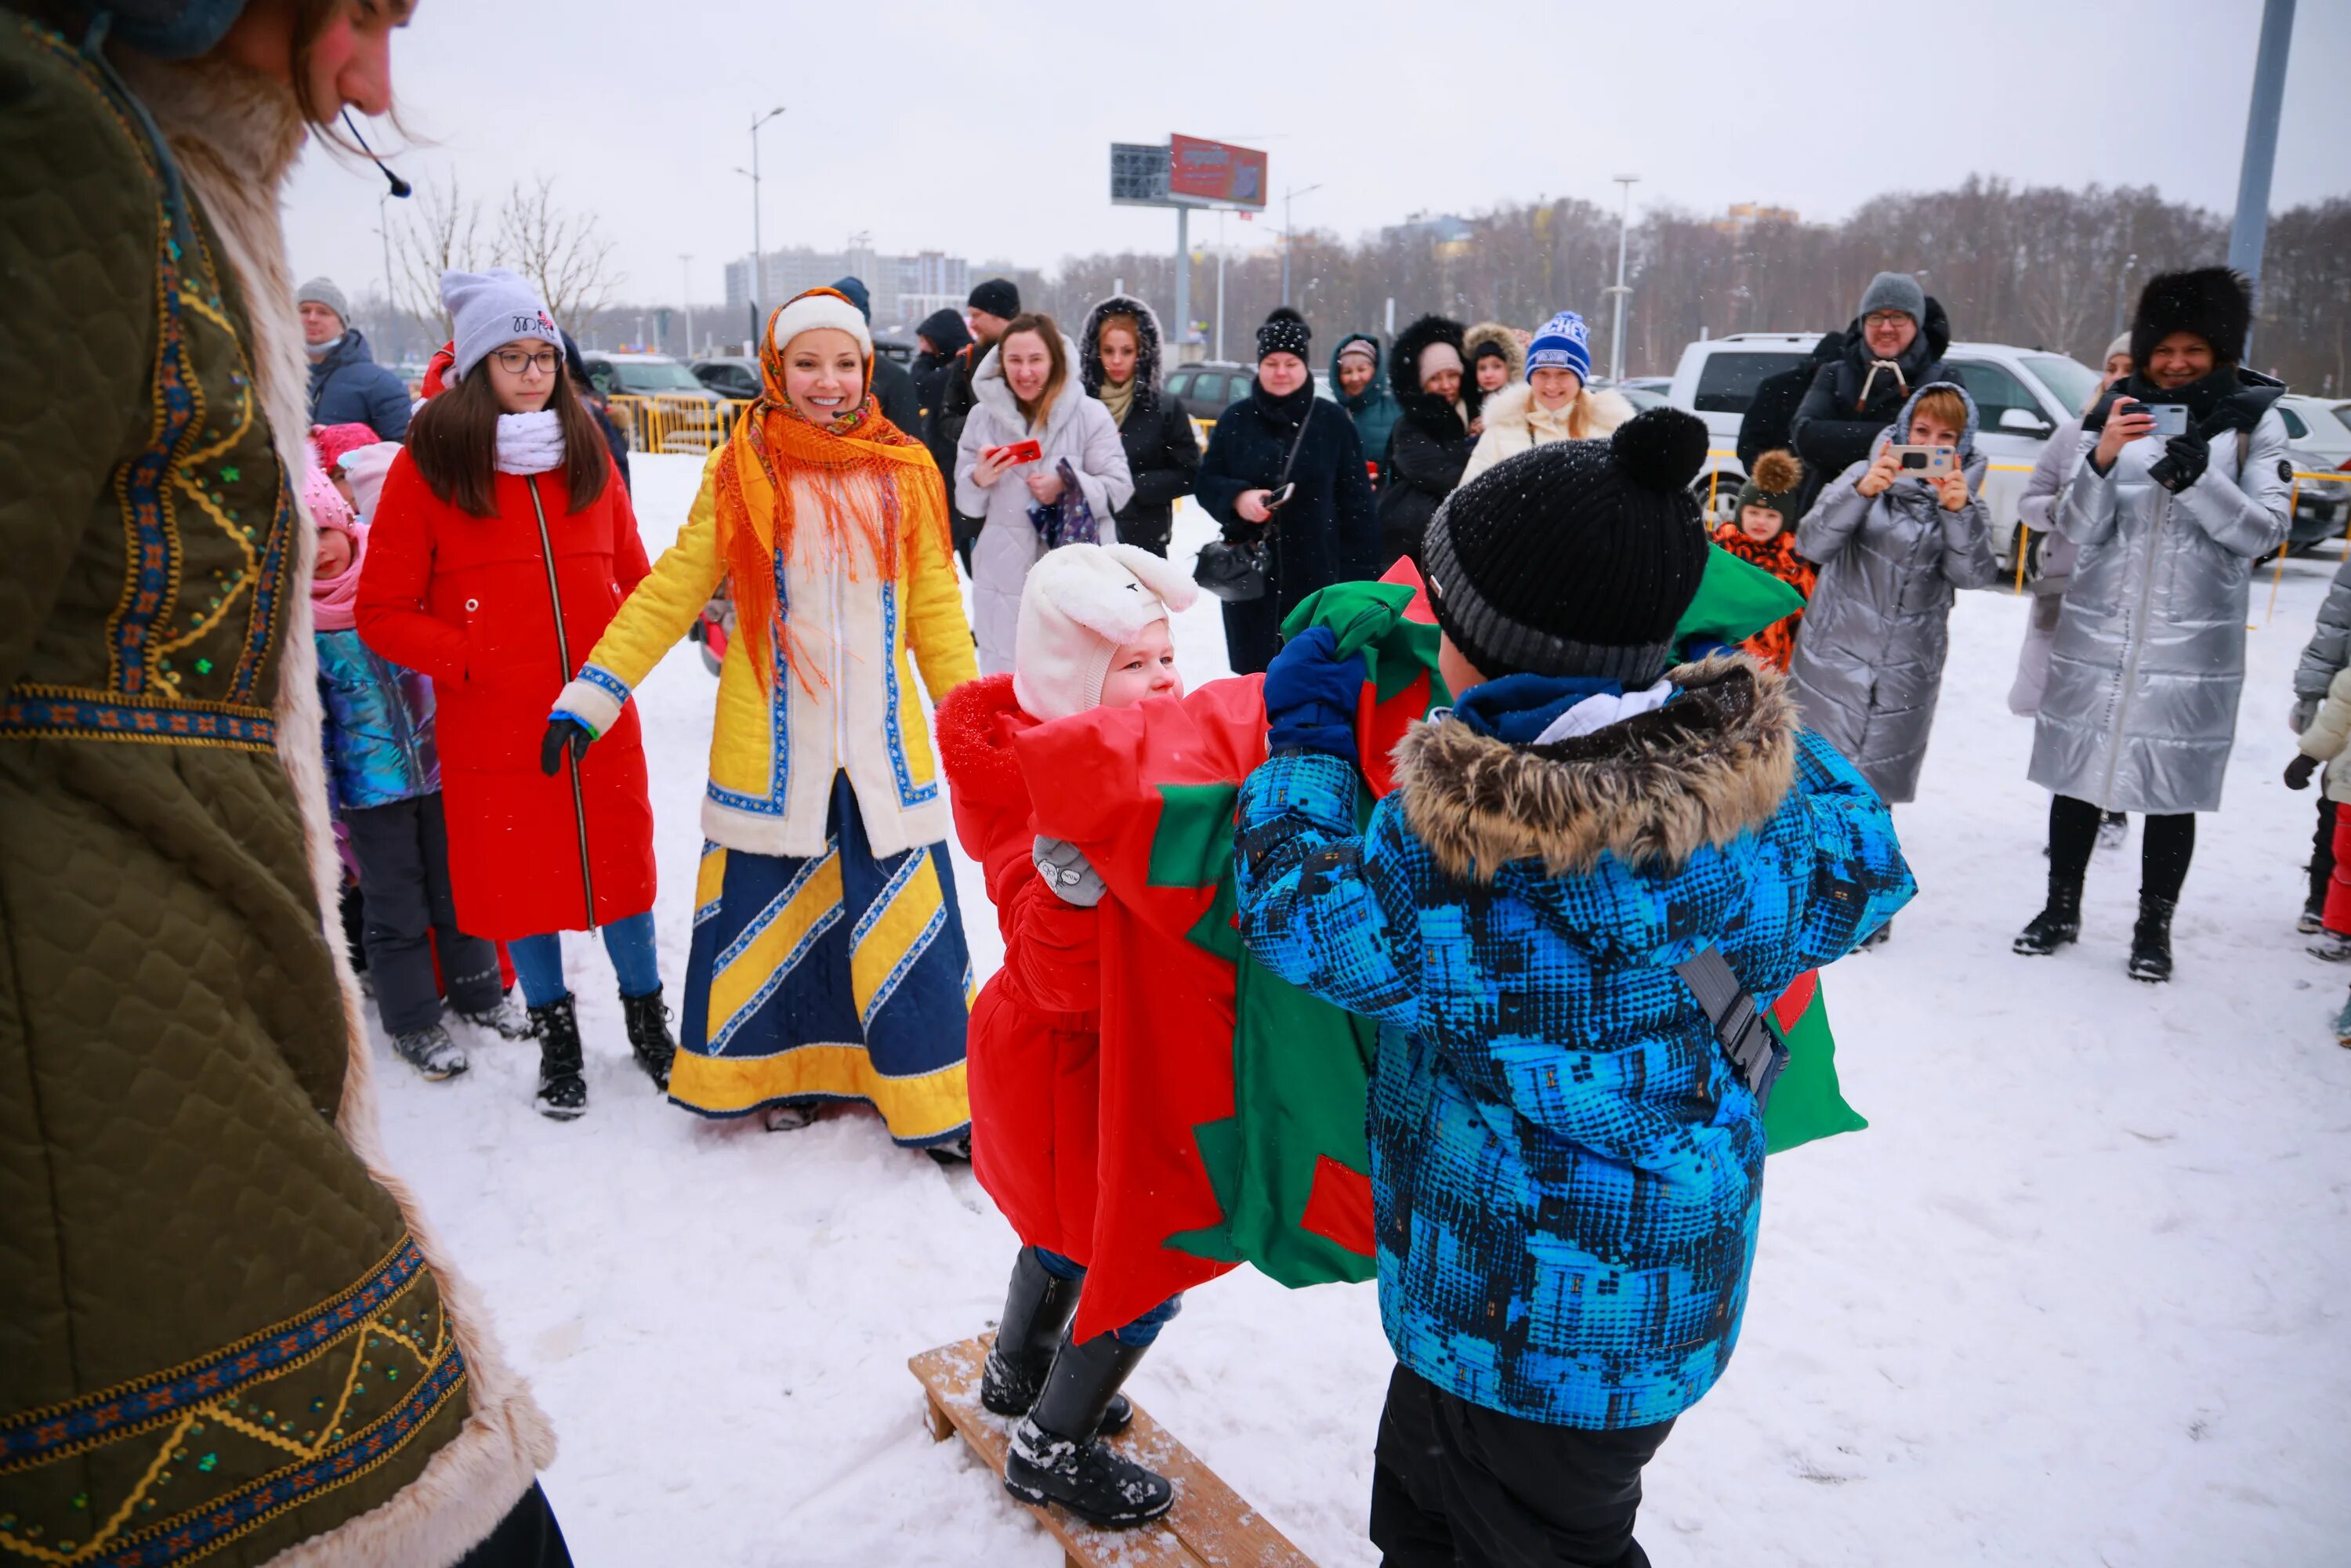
(1564, 343)
(1575, 559)
(1284, 332)
(489, 311)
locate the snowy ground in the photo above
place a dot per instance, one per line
(2079, 1295)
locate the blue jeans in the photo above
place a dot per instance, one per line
(538, 961)
(1136, 1334)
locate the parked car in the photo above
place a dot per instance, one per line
(890, 346)
(665, 407)
(2020, 395)
(1641, 392)
(1208, 387)
(730, 375)
(2318, 437)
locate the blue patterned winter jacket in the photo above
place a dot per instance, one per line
(1565, 1168)
(378, 725)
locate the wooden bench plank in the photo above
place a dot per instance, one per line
(1211, 1526)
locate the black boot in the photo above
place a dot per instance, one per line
(1037, 1307)
(2150, 959)
(649, 1036)
(2056, 925)
(562, 1092)
(1055, 1458)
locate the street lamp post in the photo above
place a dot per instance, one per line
(1624, 221)
(1288, 195)
(754, 172)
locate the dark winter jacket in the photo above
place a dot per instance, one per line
(946, 334)
(1162, 453)
(942, 429)
(1430, 444)
(1328, 533)
(1565, 1168)
(1765, 426)
(1836, 424)
(348, 387)
(1373, 409)
(893, 389)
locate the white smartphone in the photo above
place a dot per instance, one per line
(1925, 462)
(2170, 418)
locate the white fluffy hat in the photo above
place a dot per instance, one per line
(1080, 604)
(821, 308)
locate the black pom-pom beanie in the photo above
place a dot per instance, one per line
(1577, 558)
(1284, 332)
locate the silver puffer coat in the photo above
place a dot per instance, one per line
(2140, 710)
(1869, 658)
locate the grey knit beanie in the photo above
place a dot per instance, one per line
(322, 291)
(490, 310)
(1895, 291)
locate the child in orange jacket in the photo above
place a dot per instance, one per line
(1763, 533)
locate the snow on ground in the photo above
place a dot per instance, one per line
(2079, 1296)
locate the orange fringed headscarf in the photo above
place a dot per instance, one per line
(755, 502)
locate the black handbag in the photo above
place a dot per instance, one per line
(1238, 571)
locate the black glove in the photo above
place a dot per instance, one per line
(562, 730)
(2184, 460)
(2298, 771)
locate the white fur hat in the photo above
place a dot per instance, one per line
(821, 308)
(1079, 603)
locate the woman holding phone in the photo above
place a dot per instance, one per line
(1286, 469)
(2181, 487)
(1041, 464)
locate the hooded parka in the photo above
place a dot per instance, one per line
(1869, 666)
(1163, 451)
(1431, 444)
(2140, 709)
(1077, 427)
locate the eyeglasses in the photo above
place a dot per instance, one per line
(1885, 318)
(514, 361)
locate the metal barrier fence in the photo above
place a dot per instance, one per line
(674, 421)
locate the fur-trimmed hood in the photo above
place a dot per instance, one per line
(1710, 765)
(974, 726)
(1604, 409)
(1149, 380)
(1433, 415)
(1502, 339)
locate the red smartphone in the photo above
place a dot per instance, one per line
(1021, 452)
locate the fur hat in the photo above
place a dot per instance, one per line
(2212, 302)
(1773, 484)
(1284, 332)
(1563, 344)
(821, 308)
(1491, 339)
(489, 311)
(1574, 559)
(1080, 604)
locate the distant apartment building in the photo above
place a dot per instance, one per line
(905, 289)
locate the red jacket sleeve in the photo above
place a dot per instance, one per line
(1052, 950)
(393, 580)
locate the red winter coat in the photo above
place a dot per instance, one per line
(465, 599)
(1035, 1036)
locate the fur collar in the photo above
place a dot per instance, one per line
(1652, 790)
(974, 726)
(1512, 408)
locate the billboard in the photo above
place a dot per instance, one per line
(1138, 174)
(1216, 172)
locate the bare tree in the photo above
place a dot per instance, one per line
(441, 230)
(560, 252)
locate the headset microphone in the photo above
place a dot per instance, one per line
(399, 187)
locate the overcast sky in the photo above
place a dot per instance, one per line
(985, 130)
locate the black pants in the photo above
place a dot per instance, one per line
(2322, 852)
(403, 854)
(527, 1536)
(1458, 1486)
(2166, 846)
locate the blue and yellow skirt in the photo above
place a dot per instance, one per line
(840, 976)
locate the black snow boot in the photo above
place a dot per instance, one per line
(649, 1036)
(1055, 1457)
(2057, 925)
(2150, 959)
(562, 1092)
(1037, 1307)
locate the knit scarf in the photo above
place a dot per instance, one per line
(1118, 397)
(755, 506)
(529, 443)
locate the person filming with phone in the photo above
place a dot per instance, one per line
(1284, 475)
(2182, 486)
(1895, 535)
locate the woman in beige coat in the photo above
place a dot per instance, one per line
(1553, 403)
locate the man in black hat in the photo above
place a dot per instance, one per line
(992, 303)
(1588, 874)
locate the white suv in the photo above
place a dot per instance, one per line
(2021, 394)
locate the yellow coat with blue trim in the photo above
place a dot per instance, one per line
(848, 701)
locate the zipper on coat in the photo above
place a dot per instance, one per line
(563, 654)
